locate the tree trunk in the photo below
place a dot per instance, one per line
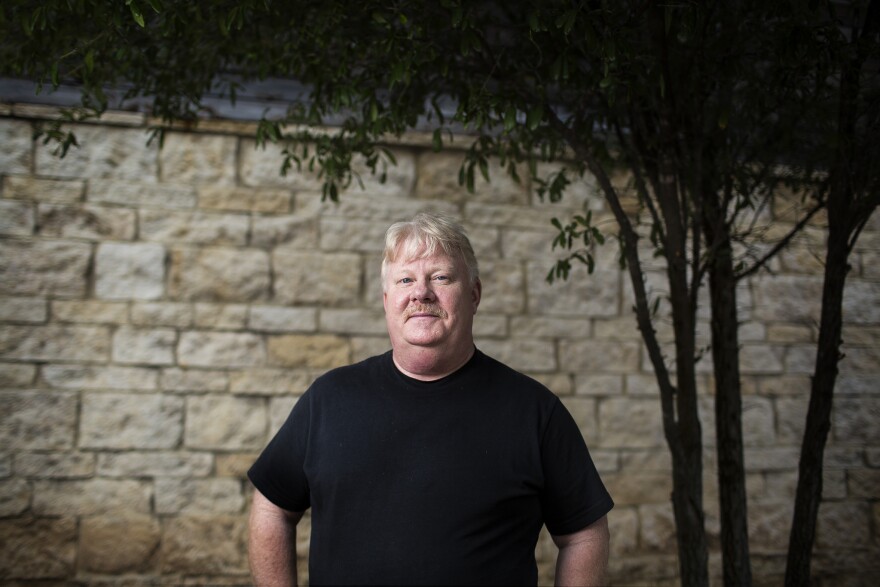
(809, 489)
(728, 401)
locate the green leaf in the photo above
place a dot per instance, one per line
(136, 14)
(437, 140)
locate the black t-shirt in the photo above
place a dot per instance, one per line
(443, 482)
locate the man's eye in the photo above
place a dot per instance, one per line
(442, 278)
(406, 280)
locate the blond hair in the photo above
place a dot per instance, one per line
(422, 237)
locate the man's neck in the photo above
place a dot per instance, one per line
(430, 364)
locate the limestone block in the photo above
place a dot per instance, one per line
(352, 322)
(221, 316)
(340, 234)
(290, 231)
(328, 279)
(391, 180)
(16, 218)
(304, 350)
(50, 268)
(198, 228)
(485, 240)
(583, 411)
(605, 460)
(235, 464)
(559, 383)
(522, 354)
(91, 497)
(37, 548)
(599, 356)
(103, 152)
(198, 158)
(240, 199)
(130, 421)
(54, 343)
(790, 333)
(509, 216)
(363, 347)
(787, 298)
(630, 423)
(758, 417)
(859, 335)
(651, 459)
(33, 310)
(503, 287)
(225, 422)
(657, 528)
(547, 326)
(769, 524)
(15, 497)
(863, 483)
(198, 496)
(86, 222)
(37, 420)
(598, 385)
(179, 464)
(756, 358)
(281, 319)
(844, 524)
(90, 311)
(780, 385)
(857, 384)
(125, 271)
(623, 524)
(856, 420)
(638, 487)
(860, 360)
(269, 381)
(193, 380)
(644, 385)
(102, 548)
(438, 180)
(15, 146)
(199, 545)
(55, 465)
(488, 325)
(781, 458)
(582, 295)
(137, 194)
(369, 207)
(279, 409)
(220, 349)
(94, 377)
(791, 415)
(219, 274)
(261, 167)
(519, 243)
(173, 314)
(60, 191)
(14, 375)
(144, 346)
(800, 359)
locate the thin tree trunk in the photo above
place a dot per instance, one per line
(809, 489)
(728, 403)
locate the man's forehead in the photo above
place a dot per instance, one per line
(438, 259)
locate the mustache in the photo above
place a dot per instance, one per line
(420, 308)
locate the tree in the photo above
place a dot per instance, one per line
(692, 99)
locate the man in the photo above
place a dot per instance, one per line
(433, 463)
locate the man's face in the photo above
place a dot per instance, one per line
(430, 302)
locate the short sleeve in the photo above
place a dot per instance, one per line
(573, 496)
(278, 472)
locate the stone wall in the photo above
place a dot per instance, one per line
(161, 311)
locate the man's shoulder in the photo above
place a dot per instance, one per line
(503, 374)
(346, 375)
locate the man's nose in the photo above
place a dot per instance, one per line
(423, 292)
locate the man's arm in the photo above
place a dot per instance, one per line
(272, 543)
(583, 555)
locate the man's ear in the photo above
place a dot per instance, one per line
(477, 293)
